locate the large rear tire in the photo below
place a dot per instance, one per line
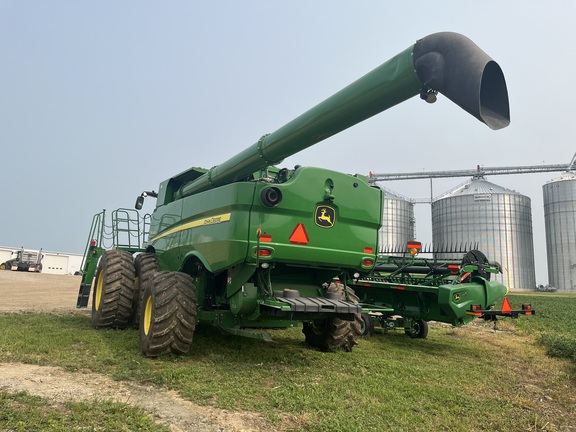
(113, 296)
(168, 315)
(334, 333)
(146, 266)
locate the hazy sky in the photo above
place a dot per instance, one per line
(102, 100)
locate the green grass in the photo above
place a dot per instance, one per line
(554, 322)
(23, 412)
(465, 379)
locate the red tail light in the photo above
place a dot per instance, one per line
(453, 268)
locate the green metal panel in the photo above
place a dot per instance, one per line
(339, 242)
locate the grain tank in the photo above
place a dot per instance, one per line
(246, 244)
(397, 223)
(497, 219)
(560, 223)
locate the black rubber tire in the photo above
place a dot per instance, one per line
(146, 266)
(367, 328)
(478, 258)
(420, 330)
(3, 266)
(334, 333)
(113, 296)
(168, 314)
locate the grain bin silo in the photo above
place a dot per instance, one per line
(560, 224)
(397, 223)
(498, 219)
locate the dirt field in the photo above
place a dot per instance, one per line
(21, 291)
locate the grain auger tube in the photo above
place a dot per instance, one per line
(448, 63)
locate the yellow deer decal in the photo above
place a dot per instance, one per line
(324, 217)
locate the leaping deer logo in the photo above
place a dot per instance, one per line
(325, 216)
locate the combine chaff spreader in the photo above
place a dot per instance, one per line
(247, 245)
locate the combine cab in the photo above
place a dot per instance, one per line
(247, 244)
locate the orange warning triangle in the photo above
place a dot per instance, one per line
(299, 235)
(506, 308)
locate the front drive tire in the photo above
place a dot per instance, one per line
(146, 266)
(113, 294)
(168, 314)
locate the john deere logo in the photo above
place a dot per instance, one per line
(325, 216)
(457, 297)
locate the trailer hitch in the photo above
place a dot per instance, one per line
(505, 311)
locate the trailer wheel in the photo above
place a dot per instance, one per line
(113, 290)
(333, 333)
(168, 316)
(367, 326)
(145, 265)
(419, 330)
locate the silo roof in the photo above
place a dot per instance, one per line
(477, 186)
(568, 175)
(390, 194)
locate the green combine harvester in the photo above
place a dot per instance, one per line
(247, 245)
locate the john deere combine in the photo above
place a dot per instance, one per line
(248, 245)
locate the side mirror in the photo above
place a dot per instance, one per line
(139, 203)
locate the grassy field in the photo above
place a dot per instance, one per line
(467, 379)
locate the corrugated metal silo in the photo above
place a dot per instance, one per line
(498, 219)
(560, 224)
(397, 222)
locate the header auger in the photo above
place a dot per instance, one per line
(248, 245)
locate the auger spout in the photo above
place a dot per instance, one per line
(448, 63)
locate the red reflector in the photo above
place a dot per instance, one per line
(527, 307)
(93, 243)
(266, 238)
(414, 245)
(367, 263)
(299, 235)
(263, 252)
(476, 307)
(506, 308)
(400, 287)
(368, 250)
(366, 284)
